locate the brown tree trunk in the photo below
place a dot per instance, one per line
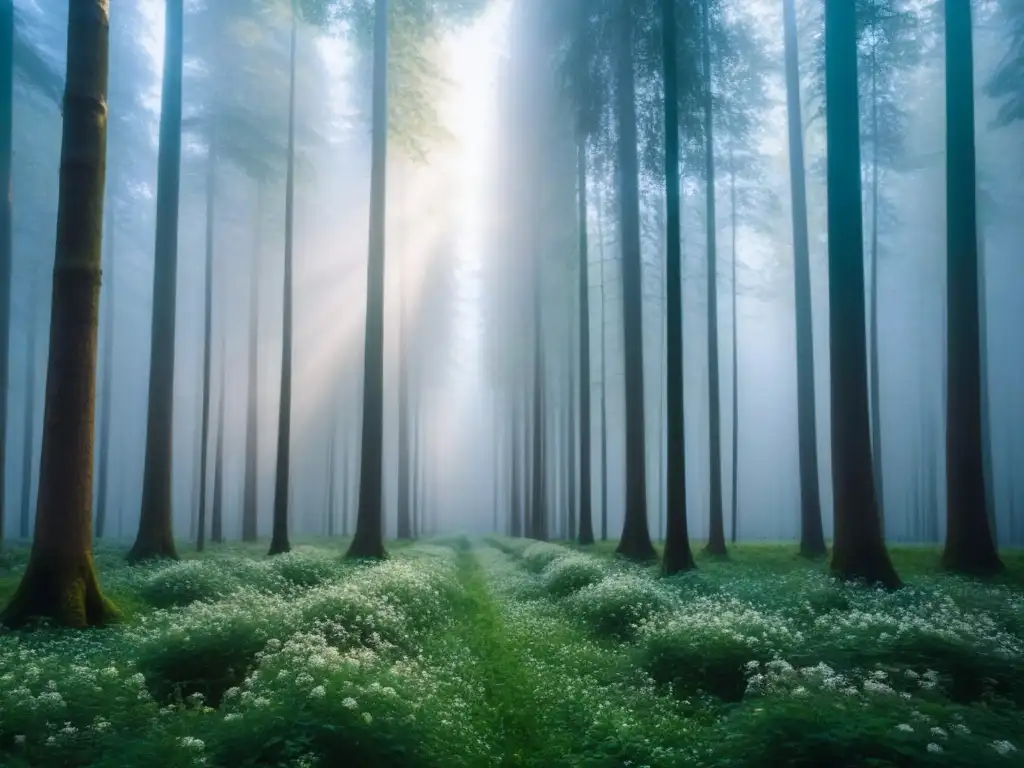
(369, 538)
(635, 542)
(279, 537)
(859, 550)
(970, 547)
(60, 580)
(812, 537)
(155, 537)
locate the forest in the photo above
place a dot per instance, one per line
(546, 383)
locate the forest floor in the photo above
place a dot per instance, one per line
(507, 652)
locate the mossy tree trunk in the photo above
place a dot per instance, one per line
(369, 537)
(858, 552)
(60, 581)
(155, 536)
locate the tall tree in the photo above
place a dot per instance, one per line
(250, 500)
(677, 555)
(6, 231)
(635, 542)
(28, 425)
(204, 439)
(716, 531)
(812, 537)
(217, 517)
(586, 523)
(369, 537)
(279, 537)
(155, 537)
(60, 581)
(858, 551)
(969, 544)
(107, 299)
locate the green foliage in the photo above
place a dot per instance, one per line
(567, 575)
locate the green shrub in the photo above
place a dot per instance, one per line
(619, 605)
(538, 555)
(566, 575)
(186, 582)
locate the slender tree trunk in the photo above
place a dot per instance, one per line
(250, 501)
(404, 518)
(29, 423)
(346, 480)
(331, 481)
(735, 474)
(60, 580)
(6, 231)
(876, 397)
(282, 477)
(986, 415)
(812, 537)
(204, 444)
(970, 546)
(538, 507)
(103, 470)
(155, 536)
(635, 542)
(604, 376)
(716, 532)
(586, 523)
(859, 549)
(415, 501)
(217, 521)
(369, 538)
(516, 490)
(677, 555)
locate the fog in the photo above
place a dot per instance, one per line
(458, 245)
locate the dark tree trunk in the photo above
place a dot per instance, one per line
(859, 550)
(282, 486)
(586, 524)
(6, 232)
(60, 580)
(876, 386)
(812, 537)
(635, 542)
(29, 423)
(155, 537)
(969, 542)
(986, 415)
(369, 538)
(716, 531)
(217, 518)
(204, 440)
(250, 500)
(735, 474)
(570, 458)
(677, 556)
(346, 483)
(106, 386)
(604, 377)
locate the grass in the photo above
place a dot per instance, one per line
(516, 653)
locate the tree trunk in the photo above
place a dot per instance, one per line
(346, 482)
(604, 376)
(279, 538)
(859, 550)
(369, 538)
(6, 232)
(415, 501)
(876, 387)
(970, 547)
(404, 517)
(250, 501)
(586, 524)
(635, 542)
(677, 555)
(812, 537)
(60, 580)
(204, 444)
(217, 521)
(155, 537)
(516, 487)
(331, 481)
(735, 474)
(538, 506)
(716, 533)
(986, 415)
(29, 423)
(108, 376)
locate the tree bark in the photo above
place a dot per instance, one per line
(970, 547)
(204, 440)
(604, 376)
(250, 501)
(60, 580)
(876, 386)
(716, 534)
(735, 474)
(369, 537)
(635, 542)
(677, 555)
(217, 519)
(812, 537)
(6, 232)
(155, 537)
(282, 486)
(986, 414)
(586, 523)
(859, 550)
